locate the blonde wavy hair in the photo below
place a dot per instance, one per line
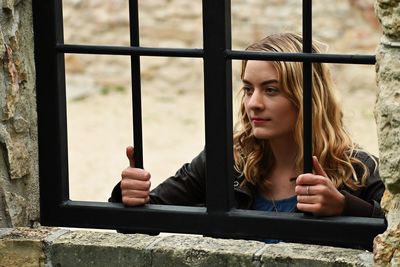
(331, 142)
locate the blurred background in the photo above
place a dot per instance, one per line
(99, 87)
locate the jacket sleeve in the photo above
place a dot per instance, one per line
(365, 201)
(186, 187)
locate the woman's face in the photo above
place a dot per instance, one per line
(271, 114)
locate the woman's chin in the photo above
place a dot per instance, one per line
(261, 135)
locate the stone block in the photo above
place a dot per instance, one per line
(16, 208)
(100, 249)
(21, 253)
(386, 247)
(388, 116)
(388, 12)
(391, 205)
(187, 250)
(61, 247)
(290, 254)
(23, 246)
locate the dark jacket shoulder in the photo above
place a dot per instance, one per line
(365, 200)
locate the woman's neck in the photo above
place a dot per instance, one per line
(284, 151)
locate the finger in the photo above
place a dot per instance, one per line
(128, 184)
(136, 193)
(135, 174)
(306, 207)
(134, 201)
(310, 179)
(309, 190)
(302, 190)
(308, 199)
(130, 156)
(318, 168)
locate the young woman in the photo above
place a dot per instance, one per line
(268, 149)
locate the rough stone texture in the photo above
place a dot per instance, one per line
(387, 114)
(387, 245)
(388, 12)
(391, 205)
(19, 189)
(59, 247)
(199, 251)
(23, 247)
(84, 248)
(313, 256)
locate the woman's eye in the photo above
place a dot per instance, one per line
(271, 90)
(248, 90)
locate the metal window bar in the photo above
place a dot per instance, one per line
(51, 107)
(136, 84)
(218, 106)
(307, 87)
(218, 218)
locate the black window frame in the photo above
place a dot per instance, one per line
(218, 218)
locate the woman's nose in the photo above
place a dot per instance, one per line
(256, 101)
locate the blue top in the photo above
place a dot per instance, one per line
(283, 205)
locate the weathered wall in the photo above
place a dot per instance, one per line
(387, 113)
(57, 247)
(19, 196)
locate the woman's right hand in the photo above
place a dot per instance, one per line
(135, 183)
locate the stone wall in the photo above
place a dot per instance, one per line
(387, 113)
(19, 189)
(60, 247)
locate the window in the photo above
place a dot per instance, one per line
(218, 218)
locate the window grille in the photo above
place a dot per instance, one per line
(218, 218)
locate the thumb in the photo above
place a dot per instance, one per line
(318, 168)
(130, 156)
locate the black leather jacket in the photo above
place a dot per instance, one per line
(187, 188)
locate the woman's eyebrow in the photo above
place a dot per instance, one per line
(267, 82)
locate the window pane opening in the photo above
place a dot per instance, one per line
(99, 120)
(172, 24)
(100, 22)
(173, 114)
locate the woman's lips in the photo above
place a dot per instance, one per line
(257, 120)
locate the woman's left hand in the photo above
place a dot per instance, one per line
(317, 194)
